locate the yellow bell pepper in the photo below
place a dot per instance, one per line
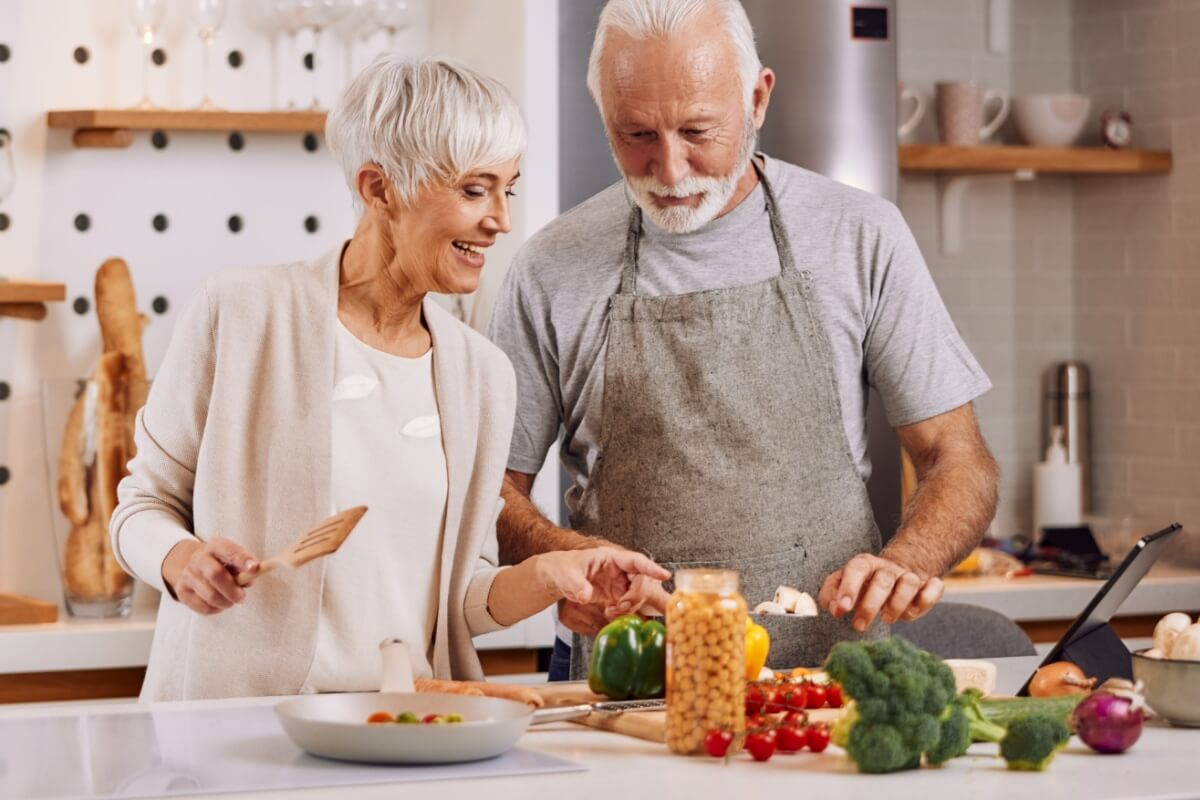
(758, 642)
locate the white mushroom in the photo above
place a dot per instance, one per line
(805, 606)
(787, 597)
(769, 607)
(1155, 653)
(1186, 646)
(1168, 628)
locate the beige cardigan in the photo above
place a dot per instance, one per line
(234, 441)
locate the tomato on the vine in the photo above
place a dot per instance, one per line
(761, 745)
(774, 699)
(796, 698)
(816, 696)
(818, 737)
(791, 739)
(833, 695)
(794, 719)
(716, 743)
(754, 699)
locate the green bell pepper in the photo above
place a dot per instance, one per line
(629, 659)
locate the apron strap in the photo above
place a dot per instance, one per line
(634, 234)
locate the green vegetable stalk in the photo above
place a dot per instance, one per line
(629, 659)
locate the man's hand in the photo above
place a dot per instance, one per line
(871, 586)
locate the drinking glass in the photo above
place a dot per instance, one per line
(7, 177)
(316, 16)
(146, 16)
(209, 16)
(393, 16)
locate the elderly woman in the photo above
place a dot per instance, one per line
(291, 391)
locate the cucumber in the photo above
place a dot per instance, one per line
(1007, 710)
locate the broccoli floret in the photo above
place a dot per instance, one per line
(955, 737)
(902, 697)
(1032, 742)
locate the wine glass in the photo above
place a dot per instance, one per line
(7, 177)
(316, 15)
(209, 16)
(393, 16)
(146, 16)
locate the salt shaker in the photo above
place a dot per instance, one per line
(397, 668)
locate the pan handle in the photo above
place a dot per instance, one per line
(544, 715)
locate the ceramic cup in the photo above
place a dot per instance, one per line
(1051, 120)
(960, 112)
(915, 103)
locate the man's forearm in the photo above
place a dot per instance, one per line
(948, 514)
(523, 531)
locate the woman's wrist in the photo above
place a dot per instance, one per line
(176, 561)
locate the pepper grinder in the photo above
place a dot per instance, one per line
(1067, 399)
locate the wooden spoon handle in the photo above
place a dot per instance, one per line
(247, 578)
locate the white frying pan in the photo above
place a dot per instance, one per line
(335, 726)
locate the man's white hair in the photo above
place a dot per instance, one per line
(659, 19)
(422, 120)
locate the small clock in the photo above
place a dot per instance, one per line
(1116, 129)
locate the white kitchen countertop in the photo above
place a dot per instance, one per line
(1159, 766)
(77, 644)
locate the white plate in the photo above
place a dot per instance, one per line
(335, 726)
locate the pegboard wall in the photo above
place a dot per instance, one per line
(175, 206)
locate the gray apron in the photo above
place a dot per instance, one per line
(722, 444)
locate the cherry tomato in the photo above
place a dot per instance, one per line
(379, 717)
(833, 696)
(754, 699)
(794, 719)
(761, 745)
(774, 699)
(756, 721)
(796, 698)
(818, 737)
(816, 696)
(716, 743)
(791, 739)
(430, 719)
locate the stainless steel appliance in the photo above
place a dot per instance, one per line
(833, 111)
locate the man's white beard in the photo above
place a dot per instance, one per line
(714, 192)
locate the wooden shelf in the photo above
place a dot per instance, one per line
(1059, 160)
(24, 291)
(112, 128)
(26, 299)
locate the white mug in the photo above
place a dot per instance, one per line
(909, 123)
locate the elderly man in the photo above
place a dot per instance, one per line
(704, 333)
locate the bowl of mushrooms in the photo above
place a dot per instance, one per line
(1170, 670)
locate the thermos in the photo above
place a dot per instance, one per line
(1067, 401)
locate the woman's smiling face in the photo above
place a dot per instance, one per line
(440, 238)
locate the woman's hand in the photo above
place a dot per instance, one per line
(616, 580)
(201, 574)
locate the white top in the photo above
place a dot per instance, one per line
(387, 455)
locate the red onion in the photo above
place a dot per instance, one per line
(1109, 721)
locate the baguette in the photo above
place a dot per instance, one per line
(522, 694)
(111, 459)
(83, 560)
(121, 332)
(72, 473)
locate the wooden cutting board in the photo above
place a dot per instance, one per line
(16, 609)
(648, 725)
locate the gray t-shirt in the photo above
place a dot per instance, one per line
(885, 321)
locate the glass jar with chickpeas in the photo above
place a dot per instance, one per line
(706, 625)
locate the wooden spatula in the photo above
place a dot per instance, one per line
(322, 540)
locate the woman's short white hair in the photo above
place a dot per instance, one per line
(422, 120)
(659, 19)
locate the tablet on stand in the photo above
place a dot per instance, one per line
(1090, 643)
